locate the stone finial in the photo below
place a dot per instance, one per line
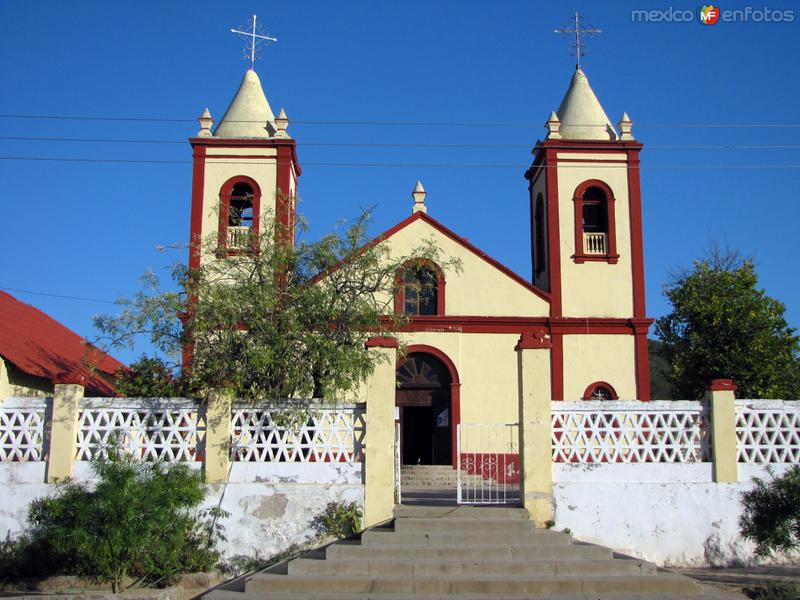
(553, 127)
(281, 125)
(205, 124)
(625, 126)
(419, 194)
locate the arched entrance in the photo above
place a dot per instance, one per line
(428, 406)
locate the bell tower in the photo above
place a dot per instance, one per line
(244, 176)
(586, 232)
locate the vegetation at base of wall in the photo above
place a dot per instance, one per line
(306, 309)
(139, 520)
(338, 520)
(660, 388)
(723, 326)
(774, 590)
(771, 513)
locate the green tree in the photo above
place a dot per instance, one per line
(771, 516)
(723, 325)
(139, 520)
(279, 321)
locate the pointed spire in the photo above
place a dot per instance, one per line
(553, 127)
(581, 114)
(249, 114)
(625, 127)
(281, 125)
(419, 194)
(205, 124)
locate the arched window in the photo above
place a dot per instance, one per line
(540, 263)
(239, 204)
(600, 390)
(595, 234)
(420, 290)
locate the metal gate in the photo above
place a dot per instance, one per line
(488, 456)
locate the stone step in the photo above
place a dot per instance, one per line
(460, 512)
(265, 584)
(575, 552)
(498, 568)
(466, 526)
(525, 536)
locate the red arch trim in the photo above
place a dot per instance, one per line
(611, 255)
(587, 395)
(455, 392)
(225, 204)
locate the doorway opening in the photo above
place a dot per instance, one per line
(426, 410)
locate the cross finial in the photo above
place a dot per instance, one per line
(255, 38)
(578, 47)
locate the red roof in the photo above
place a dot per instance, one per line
(41, 346)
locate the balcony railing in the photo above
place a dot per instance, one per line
(238, 237)
(595, 243)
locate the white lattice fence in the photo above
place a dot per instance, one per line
(316, 433)
(630, 432)
(768, 431)
(22, 429)
(149, 429)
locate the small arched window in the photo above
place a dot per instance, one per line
(421, 290)
(239, 203)
(595, 234)
(600, 390)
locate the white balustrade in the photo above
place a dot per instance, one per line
(768, 431)
(630, 432)
(149, 429)
(22, 429)
(238, 237)
(595, 243)
(298, 433)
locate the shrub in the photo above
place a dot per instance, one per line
(139, 520)
(148, 377)
(774, 590)
(771, 516)
(339, 520)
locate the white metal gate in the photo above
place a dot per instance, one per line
(488, 460)
(398, 489)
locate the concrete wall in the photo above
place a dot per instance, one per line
(271, 505)
(671, 514)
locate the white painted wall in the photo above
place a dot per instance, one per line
(670, 514)
(271, 505)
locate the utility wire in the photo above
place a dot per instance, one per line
(402, 145)
(81, 298)
(401, 123)
(611, 165)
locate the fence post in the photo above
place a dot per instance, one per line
(535, 451)
(217, 460)
(379, 438)
(63, 433)
(721, 394)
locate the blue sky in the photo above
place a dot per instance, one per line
(90, 229)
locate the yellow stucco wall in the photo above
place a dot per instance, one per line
(595, 289)
(14, 382)
(606, 357)
(480, 289)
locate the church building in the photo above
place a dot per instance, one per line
(585, 291)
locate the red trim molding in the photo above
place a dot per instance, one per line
(553, 233)
(196, 220)
(224, 212)
(722, 385)
(557, 366)
(580, 255)
(534, 340)
(455, 391)
(587, 394)
(381, 341)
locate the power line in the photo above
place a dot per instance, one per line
(81, 298)
(402, 145)
(399, 123)
(409, 165)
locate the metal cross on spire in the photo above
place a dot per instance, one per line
(254, 38)
(578, 46)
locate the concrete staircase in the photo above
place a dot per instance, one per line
(458, 553)
(436, 476)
